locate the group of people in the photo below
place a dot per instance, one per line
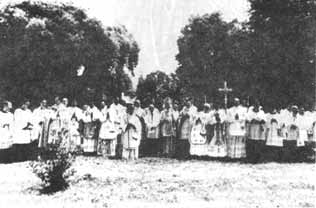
(126, 130)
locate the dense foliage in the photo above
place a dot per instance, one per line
(42, 45)
(157, 86)
(271, 57)
(211, 51)
(283, 40)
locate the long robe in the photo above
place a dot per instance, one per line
(24, 146)
(22, 120)
(167, 126)
(6, 139)
(107, 137)
(131, 137)
(187, 118)
(151, 142)
(117, 113)
(90, 130)
(74, 136)
(290, 150)
(6, 129)
(236, 142)
(200, 134)
(217, 147)
(54, 128)
(255, 145)
(41, 125)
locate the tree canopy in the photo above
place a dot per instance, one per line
(157, 86)
(271, 57)
(42, 45)
(210, 52)
(284, 49)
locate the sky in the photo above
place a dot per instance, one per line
(155, 24)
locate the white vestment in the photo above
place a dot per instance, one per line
(6, 129)
(152, 120)
(22, 120)
(131, 136)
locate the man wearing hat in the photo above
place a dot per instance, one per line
(132, 132)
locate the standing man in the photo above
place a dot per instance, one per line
(201, 132)
(140, 113)
(41, 121)
(89, 120)
(108, 134)
(256, 134)
(187, 117)
(275, 136)
(167, 126)
(117, 112)
(23, 127)
(6, 131)
(152, 121)
(290, 152)
(236, 138)
(131, 135)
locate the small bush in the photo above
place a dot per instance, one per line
(53, 167)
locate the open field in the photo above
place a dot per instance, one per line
(157, 182)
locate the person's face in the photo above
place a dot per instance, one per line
(206, 109)
(151, 108)
(130, 109)
(294, 111)
(57, 101)
(65, 102)
(116, 101)
(6, 108)
(44, 103)
(189, 103)
(302, 111)
(167, 105)
(26, 105)
(176, 107)
(237, 102)
(102, 104)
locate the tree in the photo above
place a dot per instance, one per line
(283, 38)
(156, 87)
(271, 57)
(211, 51)
(42, 45)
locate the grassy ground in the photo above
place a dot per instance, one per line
(156, 182)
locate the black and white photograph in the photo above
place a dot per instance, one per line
(158, 103)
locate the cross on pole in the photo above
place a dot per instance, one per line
(225, 90)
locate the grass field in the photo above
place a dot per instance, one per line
(157, 182)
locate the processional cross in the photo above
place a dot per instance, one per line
(225, 90)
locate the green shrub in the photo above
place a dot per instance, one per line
(53, 167)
